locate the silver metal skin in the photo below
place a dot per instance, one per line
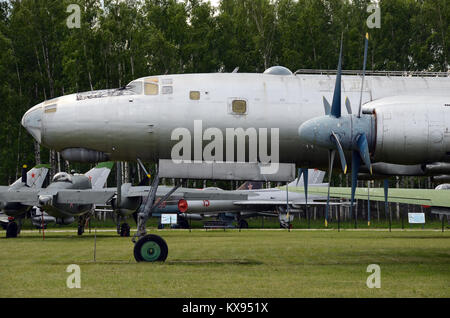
(127, 124)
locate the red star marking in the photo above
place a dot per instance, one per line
(33, 175)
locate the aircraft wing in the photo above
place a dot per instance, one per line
(30, 197)
(428, 197)
(26, 196)
(84, 196)
(274, 202)
(187, 193)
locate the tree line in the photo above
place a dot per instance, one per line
(118, 41)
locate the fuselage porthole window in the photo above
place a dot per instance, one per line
(166, 90)
(194, 95)
(239, 107)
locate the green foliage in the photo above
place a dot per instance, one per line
(41, 58)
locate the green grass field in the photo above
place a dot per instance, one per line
(250, 263)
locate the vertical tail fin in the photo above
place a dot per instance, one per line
(314, 177)
(99, 174)
(35, 177)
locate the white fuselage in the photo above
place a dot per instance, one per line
(126, 125)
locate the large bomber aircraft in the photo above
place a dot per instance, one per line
(68, 196)
(395, 120)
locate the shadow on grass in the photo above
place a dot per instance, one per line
(245, 262)
(215, 262)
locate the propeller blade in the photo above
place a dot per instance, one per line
(304, 172)
(386, 205)
(366, 46)
(348, 105)
(363, 149)
(335, 138)
(331, 154)
(327, 106)
(368, 203)
(356, 164)
(336, 105)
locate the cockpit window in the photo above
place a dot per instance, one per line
(62, 177)
(134, 87)
(151, 89)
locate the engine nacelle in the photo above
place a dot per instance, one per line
(84, 155)
(412, 130)
(65, 221)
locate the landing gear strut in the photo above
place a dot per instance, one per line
(243, 224)
(82, 222)
(125, 230)
(150, 248)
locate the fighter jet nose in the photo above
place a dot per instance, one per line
(32, 122)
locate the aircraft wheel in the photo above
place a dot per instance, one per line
(12, 230)
(80, 230)
(151, 248)
(125, 230)
(243, 224)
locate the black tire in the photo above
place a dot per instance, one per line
(12, 230)
(151, 248)
(243, 224)
(183, 223)
(160, 226)
(80, 230)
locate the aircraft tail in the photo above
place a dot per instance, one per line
(35, 177)
(99, 174)
(315, 177)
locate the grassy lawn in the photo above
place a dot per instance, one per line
(250, 263)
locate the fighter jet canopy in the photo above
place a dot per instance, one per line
(62, 177)
(278, 70)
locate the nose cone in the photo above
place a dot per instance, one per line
(317, 131)
(308, 131)
(32, 122)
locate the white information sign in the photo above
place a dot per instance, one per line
(416, 218)
(168, 219)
